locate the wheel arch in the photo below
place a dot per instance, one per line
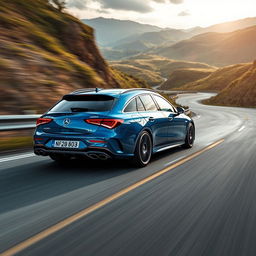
(150, 134)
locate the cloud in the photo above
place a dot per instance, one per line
(184, 13)
(169, 1)
(141, 6)
(79, 4)
(131, 5)
(176, 1)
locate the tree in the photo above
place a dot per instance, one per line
(60, 4)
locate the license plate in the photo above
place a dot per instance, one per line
(66, 144)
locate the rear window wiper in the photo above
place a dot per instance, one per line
(79, 109)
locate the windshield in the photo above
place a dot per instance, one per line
(83, 103)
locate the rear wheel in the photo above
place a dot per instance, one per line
(190, 137)
(143, 150)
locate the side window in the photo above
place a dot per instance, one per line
(140, 106)
(148, 102)
(163, 104)
(131, 107)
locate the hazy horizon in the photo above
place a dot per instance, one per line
(143, 23)
(179, 14)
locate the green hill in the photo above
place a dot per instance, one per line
(45, 53)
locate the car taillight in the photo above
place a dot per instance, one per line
(108, 123)
(42, 120)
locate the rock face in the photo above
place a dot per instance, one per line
(44, 54)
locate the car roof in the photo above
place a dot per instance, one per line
(111, 92)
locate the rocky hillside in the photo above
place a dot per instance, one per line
(45, 53)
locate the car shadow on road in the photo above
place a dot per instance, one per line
(41, 180)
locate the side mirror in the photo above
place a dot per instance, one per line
(180, 110)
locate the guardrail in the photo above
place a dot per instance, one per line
(17, 122)
(25, 122)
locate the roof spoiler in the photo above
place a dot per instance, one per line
(86, 90)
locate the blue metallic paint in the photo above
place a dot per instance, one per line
(166, 130)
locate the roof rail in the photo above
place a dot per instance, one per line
(86, 90)
(137, 89)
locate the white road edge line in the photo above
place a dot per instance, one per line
(241, 128)
(11, 158)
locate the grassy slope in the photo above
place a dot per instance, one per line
(152, 66)
(152, 78)
(180, 77)
(44, 54)
(218, 49)
(240, 92)
(219, 79)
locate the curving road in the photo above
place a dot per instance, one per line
(204, 204)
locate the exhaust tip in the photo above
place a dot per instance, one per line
(98, 155)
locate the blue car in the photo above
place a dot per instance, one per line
(112, 123)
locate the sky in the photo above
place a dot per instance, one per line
(165, 13)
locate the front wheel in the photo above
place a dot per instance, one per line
(190, 137)
(143, 150)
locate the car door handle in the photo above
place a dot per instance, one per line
(151, 119)
(170, 118)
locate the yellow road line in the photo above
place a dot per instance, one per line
(45, 233)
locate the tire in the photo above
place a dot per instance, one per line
(190, 137)
(60, 158)
(143, 150)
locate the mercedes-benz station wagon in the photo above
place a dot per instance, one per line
(112, 123)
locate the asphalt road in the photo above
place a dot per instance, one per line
(205, 206)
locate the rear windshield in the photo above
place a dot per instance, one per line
(84, 103)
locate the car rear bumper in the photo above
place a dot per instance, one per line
(92, 153)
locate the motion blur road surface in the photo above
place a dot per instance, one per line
(205, 206)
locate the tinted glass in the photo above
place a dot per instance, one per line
(83, 103)
(140, 106)
(148, 102)
(131, 107)
(163, 104)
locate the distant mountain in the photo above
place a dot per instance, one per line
(225, 27)
(120, 39)
(217, 49)
(108, 31)
(155, 38)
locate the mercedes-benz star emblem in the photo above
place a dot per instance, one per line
(66, 121)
